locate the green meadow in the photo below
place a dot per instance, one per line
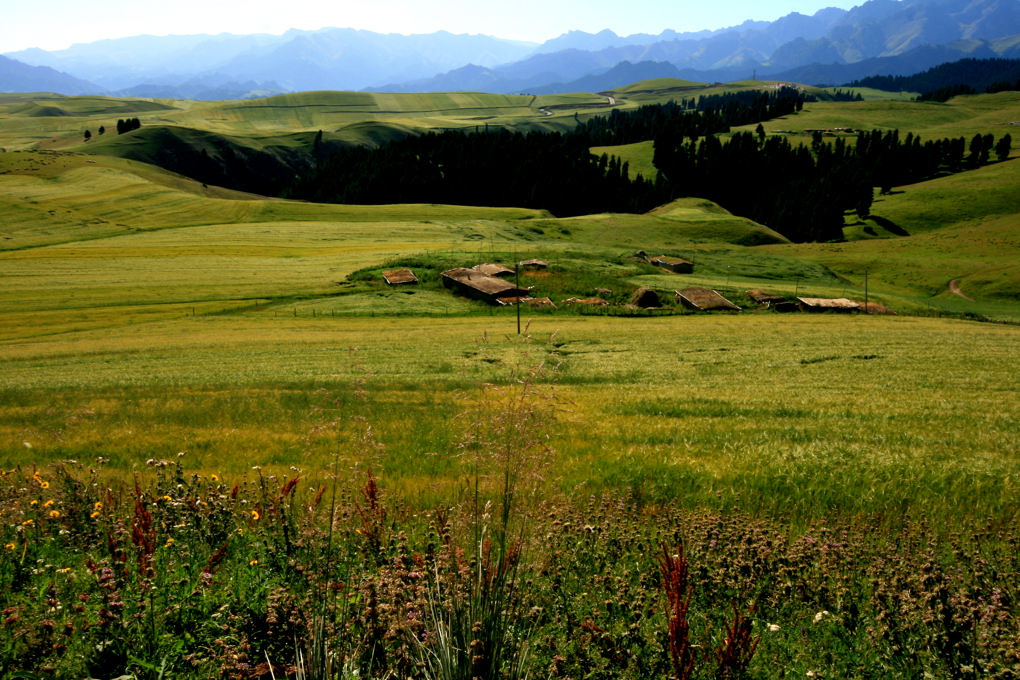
(204, 346)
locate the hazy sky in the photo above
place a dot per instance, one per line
(56, 24)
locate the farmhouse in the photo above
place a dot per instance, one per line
(400, 277)
(828, 305)
(674, 264)
(475, 284)
(492, 269)
(704, 299)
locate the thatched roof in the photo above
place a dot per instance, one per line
(476, 283)
(763, 297)
(704, 299)
(493, 269)
(396, 277)
(834, 304)
(675, 264)
(646, 298)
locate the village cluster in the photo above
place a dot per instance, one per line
(498, 284)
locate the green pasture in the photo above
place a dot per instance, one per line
(798, 416)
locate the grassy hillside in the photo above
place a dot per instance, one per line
(302, 451)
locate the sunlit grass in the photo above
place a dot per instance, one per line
(798, 416)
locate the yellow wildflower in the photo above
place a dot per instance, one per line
(44, 484)
(10, 546)
(97, 506)
(255, 515)
(214, 478)
(34, 503)
(48, 503)
(169, 542)
(54, 514)
(253, 563)
(94, 515)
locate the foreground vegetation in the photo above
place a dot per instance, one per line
(329, 573)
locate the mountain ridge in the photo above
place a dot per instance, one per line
(832, 46)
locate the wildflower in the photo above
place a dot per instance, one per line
(169, 542)
(773, 627)
(94, 514)
(10, 546)
(97, 506)
(215, 478)
(54, 514)
(65, 570)
(27, 445)
(48, 503)
(34, 503)
(166, 498)
(255, 515)
(44, 484)
(27, 522)
(253, 563)
(821, 616)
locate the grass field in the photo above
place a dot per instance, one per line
(194, 383)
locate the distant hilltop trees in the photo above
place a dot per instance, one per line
(941, 83)
(128, 125)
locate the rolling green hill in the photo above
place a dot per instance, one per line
(58, 198)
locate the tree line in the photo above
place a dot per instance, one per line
(801, 191)
(942, 82)
(554, 171)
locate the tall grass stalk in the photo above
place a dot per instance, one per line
(474, 607)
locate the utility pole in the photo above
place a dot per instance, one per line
(517, 282)
(865, 291)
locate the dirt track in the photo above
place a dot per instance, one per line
(954, 288)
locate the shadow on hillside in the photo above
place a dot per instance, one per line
(889, 225)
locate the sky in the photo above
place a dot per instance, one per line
(56, 24)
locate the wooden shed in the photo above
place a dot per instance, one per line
(475, 284)
(704, 299)
(400, 277)
(674, 264)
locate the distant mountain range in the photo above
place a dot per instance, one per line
(833, 46)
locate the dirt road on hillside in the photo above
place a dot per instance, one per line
(954, 288)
